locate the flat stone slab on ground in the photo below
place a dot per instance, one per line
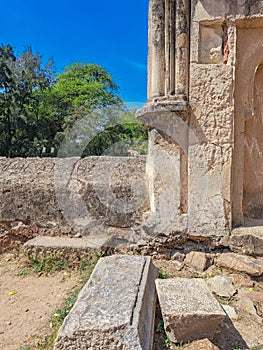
(115, 309)
(66, 242)
(189, 310)
(242, 263)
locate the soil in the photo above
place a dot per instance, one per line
(25, 314)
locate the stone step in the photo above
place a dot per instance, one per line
(189, 309)
(115, 309)
(64, 246)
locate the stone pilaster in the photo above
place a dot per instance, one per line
(166, 114)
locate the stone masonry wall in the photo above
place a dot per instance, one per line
(66, 196)
(213, 57)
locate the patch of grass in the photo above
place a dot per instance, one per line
(58, 317)
(44, 265)
(162, 274)
(181, 345)
(54, 263)
(166, 341)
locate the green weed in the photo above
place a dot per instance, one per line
(162, 274)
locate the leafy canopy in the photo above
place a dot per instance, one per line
(39, 109)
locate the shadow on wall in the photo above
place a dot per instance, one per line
(221, 8)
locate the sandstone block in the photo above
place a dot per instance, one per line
(189, 310)
(198, 261)
(48, 242)
(247, 240)
(221, 286)
(249, 265)
(203, 344)
(115, 309)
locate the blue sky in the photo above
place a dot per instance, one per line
(111, 33)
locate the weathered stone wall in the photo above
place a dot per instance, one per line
(71, 195)
(218, 90)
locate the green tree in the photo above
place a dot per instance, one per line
(77, 93)
(23, 80)
(127, 136)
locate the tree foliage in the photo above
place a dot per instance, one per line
(39, 109)
(23, 80)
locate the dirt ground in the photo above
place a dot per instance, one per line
(27, 302)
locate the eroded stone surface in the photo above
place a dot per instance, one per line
(199, 261)
(242, 263)
(203, 344)
(247, 240)
(221, 286)
(189, 309)
(115, 309)
(60, 195)
(65, 247)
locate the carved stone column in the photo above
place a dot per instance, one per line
(166, 113)
(168, 57)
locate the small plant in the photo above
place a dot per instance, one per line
(160, 327)
(237, 346)
(166, 341)
(162, 274)
(181, 345)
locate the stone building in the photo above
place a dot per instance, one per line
(205, 115)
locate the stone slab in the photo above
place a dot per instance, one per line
(71, 249)
(241, 263)
(189, 310)
(221, 286)
(66, 242)
(115, 309)
(247, 240)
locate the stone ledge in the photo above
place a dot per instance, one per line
(115, 309)
(64, 247)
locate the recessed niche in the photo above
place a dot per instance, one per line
(211, 43)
